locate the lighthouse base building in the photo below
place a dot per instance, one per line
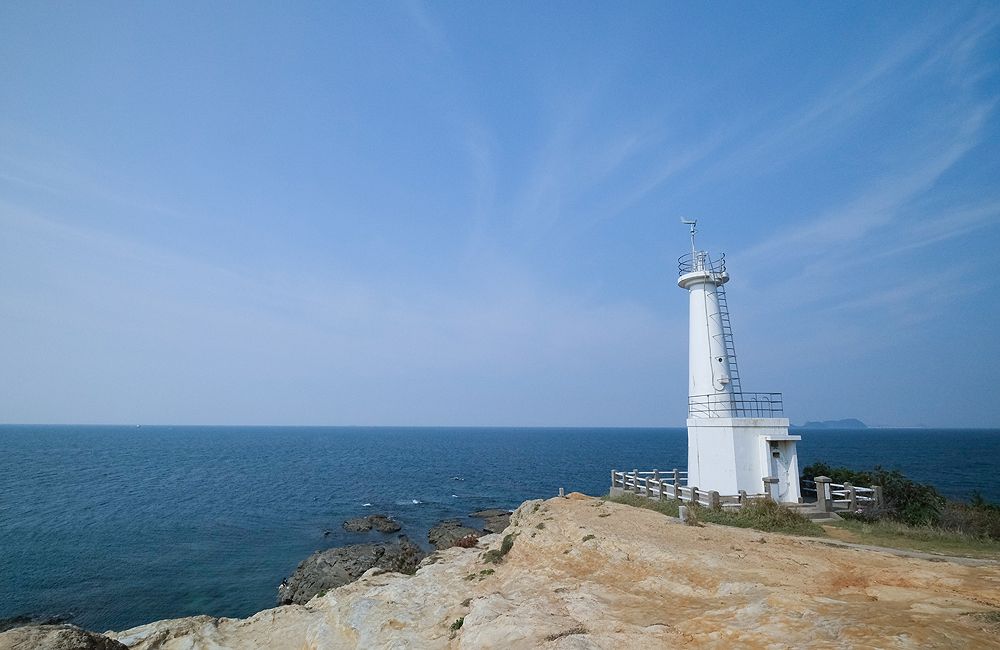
(733, 455)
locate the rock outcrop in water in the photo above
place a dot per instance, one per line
(325, 570)
(61, 636)
(586, 574)
(449, 531)
(381, 523)
(494, 521)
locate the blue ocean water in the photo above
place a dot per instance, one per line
(120, 526)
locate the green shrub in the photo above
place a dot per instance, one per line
(765, 515)
(973, 519)
(912, 503)
(496, 557)
(761, 514)
(458, 623)
(979, 503)
(668, 508)
(469, 541)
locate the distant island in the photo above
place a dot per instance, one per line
(849, 423)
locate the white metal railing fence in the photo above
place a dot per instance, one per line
(845, 496)
(669, 486)
(736, 404)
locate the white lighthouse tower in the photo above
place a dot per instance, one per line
(736, 441)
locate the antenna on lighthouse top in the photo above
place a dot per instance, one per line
(693, 231)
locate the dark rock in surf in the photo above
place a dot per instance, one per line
(31, 619)
(494, 521)
(384, 524)
(338, 566)
(357, 525)
(61, 636)
(446, 533)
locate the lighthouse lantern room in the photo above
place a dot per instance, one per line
(736, 441)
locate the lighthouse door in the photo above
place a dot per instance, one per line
(780, 465)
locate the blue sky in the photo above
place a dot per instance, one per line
(416, 213)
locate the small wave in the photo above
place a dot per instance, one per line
(365, 505)
(416, 501)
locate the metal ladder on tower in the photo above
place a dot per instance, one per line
(727, 335)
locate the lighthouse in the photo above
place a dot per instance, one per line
(737, 442)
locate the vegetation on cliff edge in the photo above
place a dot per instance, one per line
(759, 514)
(917, 505)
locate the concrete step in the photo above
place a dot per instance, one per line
(810, 511)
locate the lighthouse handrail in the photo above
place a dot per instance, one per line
(700, 261)
(664, 486)
(740, 405)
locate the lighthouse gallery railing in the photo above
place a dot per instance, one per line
(735, 405)
(700, 261)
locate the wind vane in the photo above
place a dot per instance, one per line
(693, 231)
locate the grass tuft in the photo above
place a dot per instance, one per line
(559, 635)
(496, 557)
(469, 541)
(759, 514)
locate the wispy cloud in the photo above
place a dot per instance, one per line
(891, 214)
(837, 231)
(431, 29)
(42, 164)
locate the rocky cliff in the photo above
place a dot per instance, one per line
(583, 574)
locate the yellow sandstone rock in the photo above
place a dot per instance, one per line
(604, 575)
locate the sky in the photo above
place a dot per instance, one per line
(468, 214)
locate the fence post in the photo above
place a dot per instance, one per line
(743, 497)
(769, 481)
(694, 495)
(823, 500)
(635, 480)
(656, 475)
(614, 478)
(713, 500)
(852, 495)
(677, 479)
(878, 495)
(659, 489)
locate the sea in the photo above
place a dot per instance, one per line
(116, 526)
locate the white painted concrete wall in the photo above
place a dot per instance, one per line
(733, 454)
(708, 363)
